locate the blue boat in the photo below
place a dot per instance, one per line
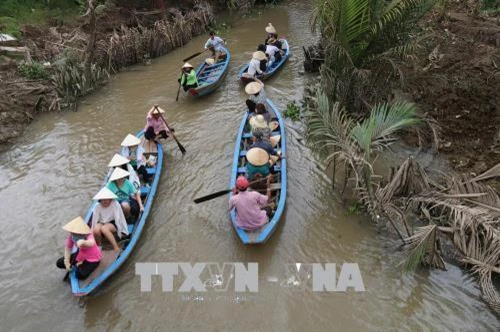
(271, 70)
(110, 261)
(210, 77)
(279, 184)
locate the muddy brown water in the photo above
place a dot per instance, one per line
(49, 175)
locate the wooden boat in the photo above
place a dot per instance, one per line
(279, 184)
(271, 70)
(210, 77)
(110, 261)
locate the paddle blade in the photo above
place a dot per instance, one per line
(212, 196)
(183, 150)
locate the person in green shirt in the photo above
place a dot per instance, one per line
(128, 196)
(188, 78)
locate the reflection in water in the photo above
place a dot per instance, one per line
(50, 175)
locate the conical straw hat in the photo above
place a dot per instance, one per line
(187, 65)
(104, 193)
(258, 121)
(257, 156)
(77, 226)
(118, 173)
(270, 28)
(209, 61)
(118, 160)
(275, 140)
(130, 140)
(259, 55)
(156, 110)
(253, 88)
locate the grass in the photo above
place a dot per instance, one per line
(292, 111)
(15, 13)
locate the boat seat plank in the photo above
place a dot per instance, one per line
(108, 258)
(151, 170)
(130, 228)
(243, 169)
(249, 135)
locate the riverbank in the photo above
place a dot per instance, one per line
(53, 54)
(455, 79)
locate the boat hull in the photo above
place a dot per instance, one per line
(210, 77)
(112, 264)
(262, 234)
(270, 71)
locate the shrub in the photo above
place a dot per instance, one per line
(34, 70)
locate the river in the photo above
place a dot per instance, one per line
(48, 177)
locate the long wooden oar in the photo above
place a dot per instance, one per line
(179, 89)
(194, 55)
(221, 193)
(183, 150)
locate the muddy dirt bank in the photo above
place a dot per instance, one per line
(125, 36)
(455, 80)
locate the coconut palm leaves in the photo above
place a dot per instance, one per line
(334, 134)
(358, 34)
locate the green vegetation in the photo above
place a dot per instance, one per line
(15, 13)
(361, 38)
(292, 111)
(34, 70)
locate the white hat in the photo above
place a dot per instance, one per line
(257, 156)
(253, 88)
(155, 110)
(118, 173)
(275, 140)
(118, 160)
(104, 193)
(77, 226)
(209, 61)
(258, 121)
(259, 55)
(130, 140)
(270, 28)
(187, 65)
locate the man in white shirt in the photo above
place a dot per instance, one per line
(216, 45)
(271, 50)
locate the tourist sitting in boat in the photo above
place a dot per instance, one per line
(257, 65)
(108, 218)
(155, 126)
(134, 151)
(260, 157)
(260, 127)
(216, 45)
(273, 52)
(188, 78)
(271, 33)
(128, 196)
(88, 256)
(122, 162)
(256, 93)
(260, 108)
(251, 207)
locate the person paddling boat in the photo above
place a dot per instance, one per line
(251, 207)
(188, 78)
(216, 45)
(155, 127)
